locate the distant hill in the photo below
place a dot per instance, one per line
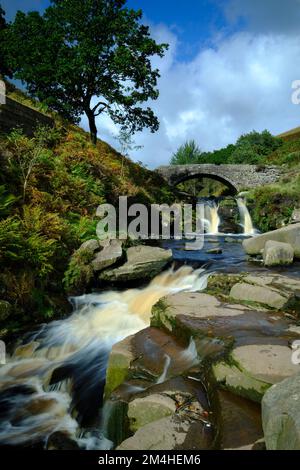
(293, 134)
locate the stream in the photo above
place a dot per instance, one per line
(53, 383)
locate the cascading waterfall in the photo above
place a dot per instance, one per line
(212, 219)
(246, 220)
(55, 381)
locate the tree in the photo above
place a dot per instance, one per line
(79, 51)
(254, 147)
(187, 153)
(4, 70)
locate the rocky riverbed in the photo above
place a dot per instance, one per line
(203, 355)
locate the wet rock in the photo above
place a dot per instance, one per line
(170, 433)
(118, 364)
(108, 256)
(192, 305)
(240, 421)
(143, 262)
(278, 253)
(90, 246)
(289, 234)
(5, 310)
(260, 294)
(252, 369)
(281, 415)
(142, 411)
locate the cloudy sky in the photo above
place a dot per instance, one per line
(229, 70)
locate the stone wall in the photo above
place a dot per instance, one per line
(14, 114)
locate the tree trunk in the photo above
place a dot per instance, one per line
(92, 124)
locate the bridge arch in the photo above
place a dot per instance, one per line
(198, 175)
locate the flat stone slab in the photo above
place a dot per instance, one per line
(260, 294)
(169, 433)
(195, 305)
(252, 369)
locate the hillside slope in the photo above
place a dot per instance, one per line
(50, 187)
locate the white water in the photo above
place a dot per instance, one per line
(76, 349)
(212, 219)
(246, 220)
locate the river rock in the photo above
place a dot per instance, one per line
(5, 310)
(90, 245)
(168, 433)
(277, 253)
(253, 368)
(240, 422)
(281, 415)
(109, 255)
(143, 262)
(118, 364)
(289, 234)
(264, 295)
(142, 411)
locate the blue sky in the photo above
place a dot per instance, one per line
(229, 70)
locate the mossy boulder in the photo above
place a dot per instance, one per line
(118, 366)
(143, 262)
(251, 369)
(142, 411)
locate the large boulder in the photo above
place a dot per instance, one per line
(143, 262)
(281, 415)
(277, 253)
(111, 253)
(289, 234)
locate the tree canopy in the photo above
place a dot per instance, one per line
(187, 153)
(89, 57)
(4, 70)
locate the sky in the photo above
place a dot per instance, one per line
(229, 70)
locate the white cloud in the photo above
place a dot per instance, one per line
(241, 84)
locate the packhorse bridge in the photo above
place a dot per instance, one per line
(237, 177)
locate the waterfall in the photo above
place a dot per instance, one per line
(246, 220)
(212, 219)
(55, 382)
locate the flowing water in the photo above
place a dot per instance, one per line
(246, 220)
(54, 382)
(212, 219)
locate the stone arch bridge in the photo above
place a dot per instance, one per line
(236, 177)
